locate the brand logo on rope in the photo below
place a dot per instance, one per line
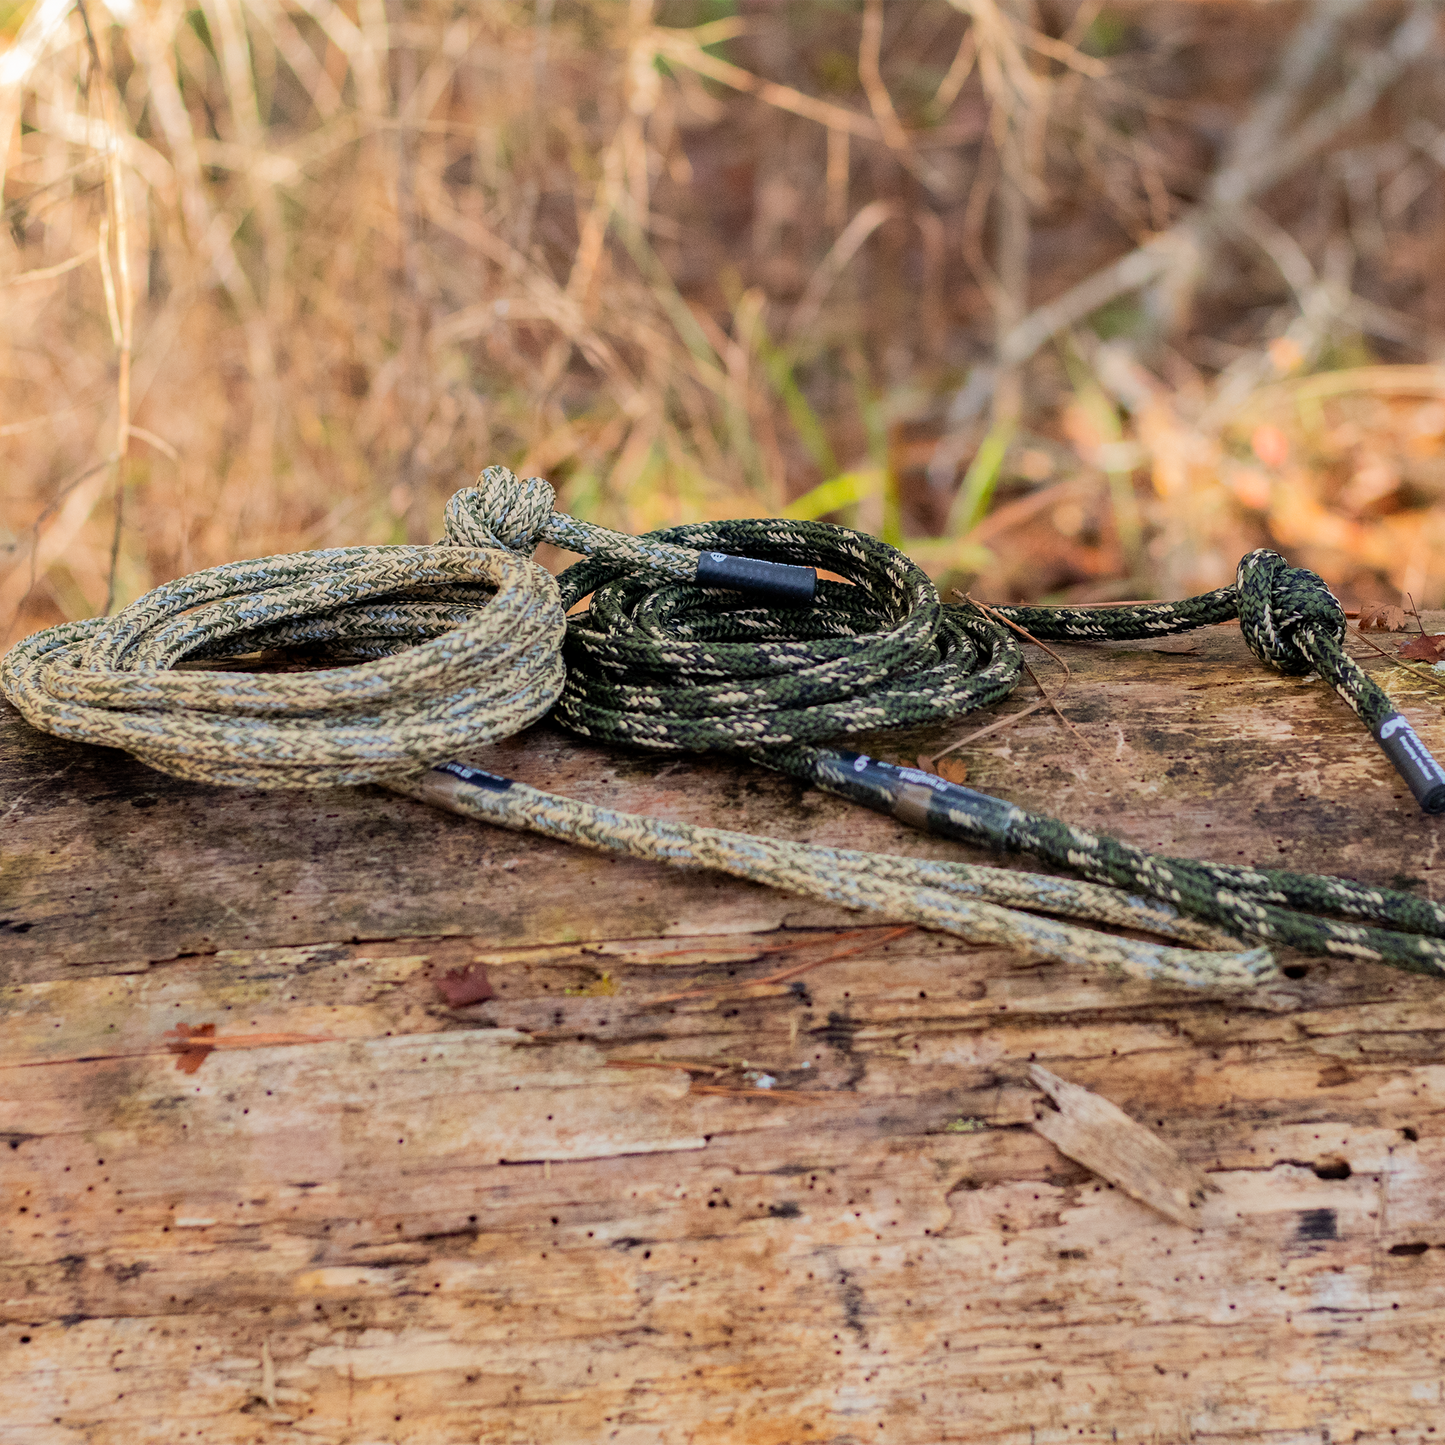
(1394, 725)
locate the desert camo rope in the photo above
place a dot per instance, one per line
(465, 643)
(957, 898)
(463, 639)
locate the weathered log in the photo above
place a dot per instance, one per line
(637, 1196)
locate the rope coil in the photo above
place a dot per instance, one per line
(694, 669)
(684, 669)
(467, 648)
(465, 642)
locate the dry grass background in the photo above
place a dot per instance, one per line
(1078, 300)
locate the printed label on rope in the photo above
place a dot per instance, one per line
(1401, 744)
(779, 582)
(475, 776)
(922, 800)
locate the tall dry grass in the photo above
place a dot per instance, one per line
(1042, 293)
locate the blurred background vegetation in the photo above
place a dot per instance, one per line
(1070, 300)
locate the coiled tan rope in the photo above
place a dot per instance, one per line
(467, 643)
(465, 640)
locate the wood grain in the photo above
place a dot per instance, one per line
(441, 1225)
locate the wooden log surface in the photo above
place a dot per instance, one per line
(638, 1196)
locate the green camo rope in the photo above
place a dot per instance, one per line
(683, 668)
(669, 666)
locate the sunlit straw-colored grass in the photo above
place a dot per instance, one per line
(285, 273)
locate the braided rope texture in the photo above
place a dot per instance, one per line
(688, 668)
(465, 640)
(696, 669)
(956, 898)
(465, 645)
(1291, 621)
(1272, 905)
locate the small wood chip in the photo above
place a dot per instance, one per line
(187, 1042)
(1104, 1139)
(463, 986)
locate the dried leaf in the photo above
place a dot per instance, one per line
(466, 985)
(1425, 648)
(952, 770)
(1382, 617)
(183, 1040)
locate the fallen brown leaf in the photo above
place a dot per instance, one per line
(1425, 648)
(186, 1043)
(1382, 617)
(466, 985)
(951, 770)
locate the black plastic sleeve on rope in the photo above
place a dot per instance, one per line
(1426, 778)
(777, 582)
(914, 797)
(475, 776)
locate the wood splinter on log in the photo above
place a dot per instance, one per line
(1103, 1138)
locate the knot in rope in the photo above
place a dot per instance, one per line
(504, 511)
(501, 511)
(1286, 614)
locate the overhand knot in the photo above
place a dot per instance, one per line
(1283, 610)
(500, 511)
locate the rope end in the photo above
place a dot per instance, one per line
(777, 582)
(1412, 760)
